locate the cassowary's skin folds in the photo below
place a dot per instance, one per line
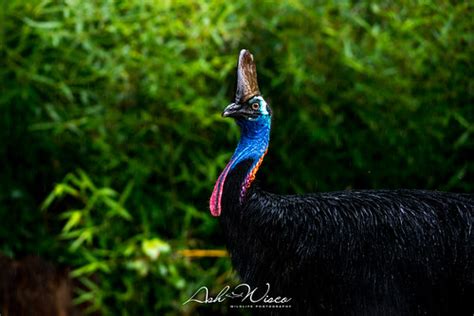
(385, 252)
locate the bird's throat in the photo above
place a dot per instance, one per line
(240, 172)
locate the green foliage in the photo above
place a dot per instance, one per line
(108, 263)
(112, 136)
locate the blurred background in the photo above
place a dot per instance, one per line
(111, 135)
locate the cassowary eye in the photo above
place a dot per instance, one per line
(255, 106)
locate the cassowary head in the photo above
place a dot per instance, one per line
(253, 115)
(249, 107)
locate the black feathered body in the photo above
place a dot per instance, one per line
(400, 252)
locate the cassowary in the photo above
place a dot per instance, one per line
(374, 252)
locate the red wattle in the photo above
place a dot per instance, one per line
(216, 197)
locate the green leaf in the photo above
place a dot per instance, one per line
(42, 25)
(153, 247)
(74, 219)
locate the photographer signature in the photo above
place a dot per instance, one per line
(242, 291)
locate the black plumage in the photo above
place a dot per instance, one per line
(401, 252)
(373, 252)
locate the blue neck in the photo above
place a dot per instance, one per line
(254, 139)
(253, 144)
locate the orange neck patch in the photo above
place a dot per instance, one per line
(251, 177)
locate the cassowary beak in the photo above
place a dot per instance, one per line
(232, 110)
